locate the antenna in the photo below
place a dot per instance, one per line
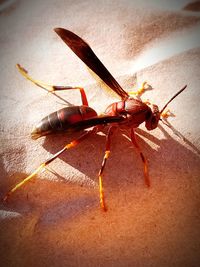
(172, 99)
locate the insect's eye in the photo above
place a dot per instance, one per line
(148, 115)
(153, 119)
(155, 109)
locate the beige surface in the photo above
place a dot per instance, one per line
(55, 220)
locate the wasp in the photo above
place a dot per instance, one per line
(129, 113)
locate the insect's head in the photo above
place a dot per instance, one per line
(155, 115)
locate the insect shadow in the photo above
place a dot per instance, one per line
(124, 163)
(124, 170)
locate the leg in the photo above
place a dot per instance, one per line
(141, 89)
(52, 158)
(106, 155)
(146, 173)
(52, 88)
(166, 114)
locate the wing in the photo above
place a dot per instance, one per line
(85, 53)
(99, 120)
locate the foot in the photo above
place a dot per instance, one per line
(141, 89)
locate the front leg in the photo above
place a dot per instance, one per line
(145, 86)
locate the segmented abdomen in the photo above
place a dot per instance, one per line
(62, 120)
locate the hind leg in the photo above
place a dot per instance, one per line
(53, 88)
(48, 161)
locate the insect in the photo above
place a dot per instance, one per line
(129, 112)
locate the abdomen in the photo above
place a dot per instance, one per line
(62, 120)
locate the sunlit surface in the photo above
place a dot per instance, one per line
(55, 219)
(167, 47)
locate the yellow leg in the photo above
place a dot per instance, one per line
(101, 191)
(52, 158)
(166, 114)
(47, 87)
(106, 156)
(140, 90)
(101, 194)
(52, 88)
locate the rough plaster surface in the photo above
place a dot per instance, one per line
(55, 220)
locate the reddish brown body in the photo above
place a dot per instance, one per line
(133, 110)
(63, 120)
(131, 113)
